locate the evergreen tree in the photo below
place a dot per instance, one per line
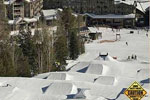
(7, 67)
(28, 47)
(46, 50)
(3, 22)
(60, 49)
(74, 45)
(68, 27)
(21, 63)
(6, 63)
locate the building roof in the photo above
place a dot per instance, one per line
(16, 21)
(30, 20)
(141, 4)
(49, 14)
(111, 16)
(12, 1)
(93, 30)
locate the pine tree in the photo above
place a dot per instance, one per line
(46, 50)
(6, 63)
(60, 49)
(21, 63)
(68, 27)
(4, 30)
(28, 47)
(74, 45)
(7, 67)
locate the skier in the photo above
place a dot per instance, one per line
(132, 57)
(128, 57)
(135, 57)
(127, 43)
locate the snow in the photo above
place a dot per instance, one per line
(106, 80)
(28, 20)
(98, 79)
(51, 31)
(12, 1)
(111, 16)
(49, 14)
(142, 5)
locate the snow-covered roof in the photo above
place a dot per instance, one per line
(141, 4)
(12, 1)
(111, 16)
(16, 21)
(49, 14)
(147, 9)
(28, 20)
(93, 30)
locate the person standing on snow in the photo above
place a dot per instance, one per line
(127, 43)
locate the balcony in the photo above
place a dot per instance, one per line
(17, 13)
(17, 4)
(17, 8)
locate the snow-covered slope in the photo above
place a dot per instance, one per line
(90, 76)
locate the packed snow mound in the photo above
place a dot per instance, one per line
(35, 89)
(57, 76)
(95, 69)
(15, 93)
(80, 67)
(91, 68)
(143, 74)
(61, 88)
(70, 63)
(45, 97)
(75, 76)
(106, 80)
(105, 58)
(82, 77)
(42, 76)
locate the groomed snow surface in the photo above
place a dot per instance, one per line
(90, 77)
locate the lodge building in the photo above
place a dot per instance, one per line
(23, 12)
(96, 12)
(116, 12)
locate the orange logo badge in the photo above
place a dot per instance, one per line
(135, 92)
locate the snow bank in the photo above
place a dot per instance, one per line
(57, 76)
(143, 74)
(95, 69)
(106, 80)
(61, 88)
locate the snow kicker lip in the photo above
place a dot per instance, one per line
(106, 80)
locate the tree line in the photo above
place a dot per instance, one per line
(26, 55)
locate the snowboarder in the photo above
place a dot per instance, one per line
(132, 57)
(127, 43)
(135, 57)
(99, 54)
(128, 57)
